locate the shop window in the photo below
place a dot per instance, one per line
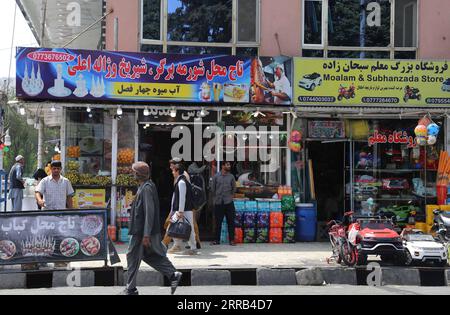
(312, 17)
(151, 17)
(200, 21)
(353, 24)
(198, 50)
(126, 143)
(152, 48)
(247, 51)
(405, 55)
(312, 53)
(88, 145)
(247, 19)
(359, 54)
(405, 23)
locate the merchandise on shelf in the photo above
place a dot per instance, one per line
(250, 219)
(73, 166)
(238, 219)
(73, 177)
(251, 205)
(275, 206)
(125, 170)
(263, 219)
(287, 203)
(126, 180)
(239, 204)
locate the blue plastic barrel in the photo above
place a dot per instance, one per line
(306, 215)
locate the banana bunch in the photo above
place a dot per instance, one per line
(86, 179)
(101, 181)
(73, 166)
(73, 177)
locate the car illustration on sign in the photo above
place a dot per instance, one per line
(310, 81)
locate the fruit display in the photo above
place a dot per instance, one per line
(86, 179)
(124, 170)
(126, 180)
(73, 166)
(125, 156)
(56, 157)
(101, 181)
(73, 151)
(73, 177)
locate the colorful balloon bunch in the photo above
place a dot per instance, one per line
(295, 141)
(426, 132)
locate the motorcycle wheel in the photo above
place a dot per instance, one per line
(348, 254)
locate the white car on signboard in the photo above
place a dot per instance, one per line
(423, 248)
(310, 81)
(446, 85)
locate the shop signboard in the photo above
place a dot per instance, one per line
(271, 80)
(326, 129)
(53, 236)
(85, 75)
(181, 116)
(89, 198)
(344, 82)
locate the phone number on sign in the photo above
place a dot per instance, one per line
(389, 100)
(438, 100)
(317, 99)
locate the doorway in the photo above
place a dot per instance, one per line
(328, 161)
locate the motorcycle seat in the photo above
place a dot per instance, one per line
(445, 218)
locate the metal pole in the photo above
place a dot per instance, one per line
(288, 154)
(40, 152)
(44, 17)
(115, 139)
(362, 29)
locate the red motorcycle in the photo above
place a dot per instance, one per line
(337, 232)
(347, 93)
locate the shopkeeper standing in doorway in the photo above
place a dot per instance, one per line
(223, 187)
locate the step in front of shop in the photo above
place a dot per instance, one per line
(116, 276)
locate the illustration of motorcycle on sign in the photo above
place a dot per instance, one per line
(347, 93)
(411, 94)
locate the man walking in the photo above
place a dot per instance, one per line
(182, 207)
(55, 192)
(145, 242)
(17, 183)
(223, 187)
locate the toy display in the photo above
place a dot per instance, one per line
(423, 248)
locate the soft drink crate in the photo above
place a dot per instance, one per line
(239, 204)
(249, 219)
(287, 204)
(276, 220)
(251, 205)
(289, 235)
(263, 219)
(289, 220)
(276, 235)
(262, 235)
(249, 236)
(238, 235)
(275, 206)
(264, 204)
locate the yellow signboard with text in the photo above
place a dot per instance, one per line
(343, 82)
(90, 198)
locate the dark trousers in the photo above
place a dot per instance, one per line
(220, 212)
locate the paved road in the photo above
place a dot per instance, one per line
(243, 290)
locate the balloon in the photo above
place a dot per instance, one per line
(431, 140)
(296, 136)
(433, 129)
(421, 131)
(421, 141)
(295, 147)
(6, 149)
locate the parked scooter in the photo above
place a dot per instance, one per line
(347, 93)
(411, 93)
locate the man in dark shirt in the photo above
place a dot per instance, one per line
(223, 187)
(145, 243)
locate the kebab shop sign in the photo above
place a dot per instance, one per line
(53, 236)
(397, 137)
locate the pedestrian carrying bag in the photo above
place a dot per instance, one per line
(180, 229)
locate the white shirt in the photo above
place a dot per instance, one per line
(283, 85)
(55, 192)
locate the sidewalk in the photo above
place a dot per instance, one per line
(242, 256)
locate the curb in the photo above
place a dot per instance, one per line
(207, 277)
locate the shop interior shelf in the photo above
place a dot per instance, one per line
(386, 170)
